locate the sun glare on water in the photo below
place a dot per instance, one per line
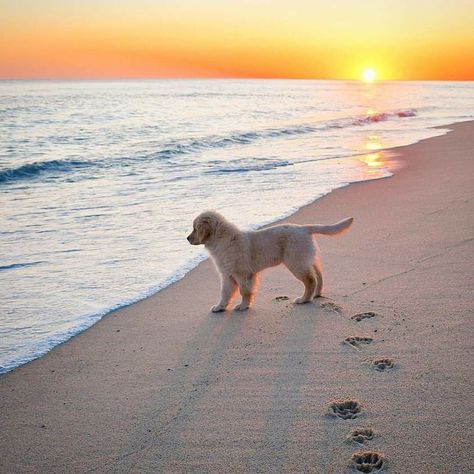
(369, 75)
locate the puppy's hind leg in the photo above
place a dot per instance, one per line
(309, 281)
(308, 277)
(248, 287)
(319, 277)
(228, 290)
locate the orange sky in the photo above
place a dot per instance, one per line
(336, 39)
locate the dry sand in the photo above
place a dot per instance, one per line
(165, 386)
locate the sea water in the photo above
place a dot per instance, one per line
(100, 180)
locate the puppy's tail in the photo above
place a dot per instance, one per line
(334, 229)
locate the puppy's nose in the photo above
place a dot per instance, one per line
(188, 238)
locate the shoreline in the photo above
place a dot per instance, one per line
(161, 384)
(89, 320)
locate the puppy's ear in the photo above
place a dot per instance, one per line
(204, 230)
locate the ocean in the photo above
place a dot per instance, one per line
(100, 180)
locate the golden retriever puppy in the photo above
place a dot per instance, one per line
(240, 255)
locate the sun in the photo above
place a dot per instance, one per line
(369, 75)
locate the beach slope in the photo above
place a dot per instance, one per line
(166, 386)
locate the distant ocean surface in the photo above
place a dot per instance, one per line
(100, 181)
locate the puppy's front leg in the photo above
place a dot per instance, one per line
(228, 289)
(247, 287)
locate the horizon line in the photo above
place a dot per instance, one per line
(237, 78)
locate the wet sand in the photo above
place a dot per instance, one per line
(166, 386)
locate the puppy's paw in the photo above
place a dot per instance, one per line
(241, 307)
(217, 308)
(301, 300)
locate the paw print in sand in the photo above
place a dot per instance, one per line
(346, 409)
(383, 364)
(361, 435)
(331, 306)
(356, 341)
(361, 316)
(368, 461)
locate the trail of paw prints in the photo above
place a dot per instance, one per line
(357, 341)
(368, 461)
(346, 409)
(362, 461)
(361, 316)
(282, 298)
(361, 435)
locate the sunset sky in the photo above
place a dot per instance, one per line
(336, 39)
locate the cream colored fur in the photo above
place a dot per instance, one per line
(240, 255)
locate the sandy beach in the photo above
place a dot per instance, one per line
(166, 386)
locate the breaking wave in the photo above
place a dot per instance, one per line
(182, 147)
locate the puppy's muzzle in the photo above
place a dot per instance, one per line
(191, 239)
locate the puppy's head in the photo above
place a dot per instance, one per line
(204, 227)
